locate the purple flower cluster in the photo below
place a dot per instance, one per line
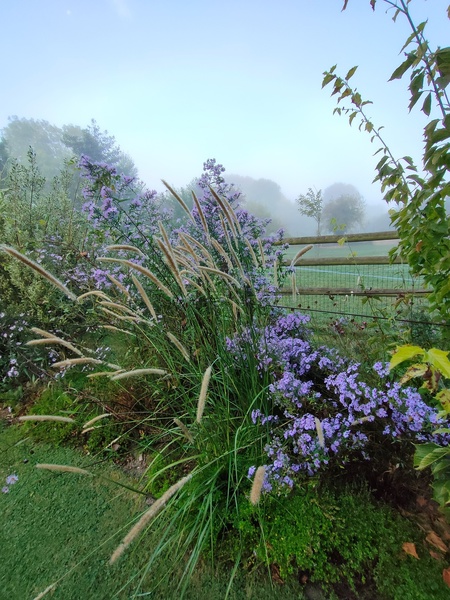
(10, 480)
(322, 411)
(250, 230)
(12, 332)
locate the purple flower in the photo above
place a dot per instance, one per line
(12, 479)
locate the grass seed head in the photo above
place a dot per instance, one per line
(255, 493)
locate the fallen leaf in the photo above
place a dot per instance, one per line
(421, 501)
(435, 555)
(433, 539)
(410, 549)
(275, 572)
(446, 576)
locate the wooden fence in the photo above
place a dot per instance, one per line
(352, 261)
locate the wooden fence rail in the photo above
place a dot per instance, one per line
(304, 261)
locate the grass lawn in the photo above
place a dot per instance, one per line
(63, 527)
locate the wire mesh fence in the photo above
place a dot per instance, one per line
(352, 277)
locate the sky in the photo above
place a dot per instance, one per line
(180, 81)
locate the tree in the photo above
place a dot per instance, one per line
(4, 155)
(311, 205)
(344, 212)
(99, 146)
(45, 140)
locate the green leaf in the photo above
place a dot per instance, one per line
(327, 79)
(438, 359)
(441, 491)
(426, 106)
(400, 71)
(427, 454)
(356, 99)
(351, 73)
(443, 61)
(405, 353)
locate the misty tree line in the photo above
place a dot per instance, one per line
(339, 207)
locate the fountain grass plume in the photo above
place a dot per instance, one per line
(129, 318)
(53, 340)
(155, 508)
(93, 293)
(119, 285)
(203, 394)
(39, 269)
(125, 247)
(222, 253)
(46, 418)
(138, 373)
(179, 200)
(255, 493)
(228, 213)
(144, 296)
(95, 419)
(85, 360)
(300, 253)
(63, 469)
(176, 342)
(184, 429)
(200, 213)
(141, 269)
(172, 265)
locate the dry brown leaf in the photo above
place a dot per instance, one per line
(275, 573)
(446, 576)
(433, 539)
(410, 549)
(435, 555)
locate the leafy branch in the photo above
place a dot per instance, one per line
(420, 217)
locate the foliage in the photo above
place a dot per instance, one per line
(99, 146)
(47, 225)
(433, 368)
(324, 414)
(219, 383)
(43, 137)
(54, 145)
(311, 205)
(348, 211)
(18, 364)
(420, 215)
(339, 534)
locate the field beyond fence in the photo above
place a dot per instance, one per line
(352, 275)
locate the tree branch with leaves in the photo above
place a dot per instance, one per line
(420, 214)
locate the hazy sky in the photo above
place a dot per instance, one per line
(180, 81)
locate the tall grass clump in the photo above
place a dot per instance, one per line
(234, 402)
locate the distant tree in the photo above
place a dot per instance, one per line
(43, 137)
(4, 155)
(345, 212)
(99, 146)
(311, 205)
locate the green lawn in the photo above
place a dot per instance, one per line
(63, 527)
